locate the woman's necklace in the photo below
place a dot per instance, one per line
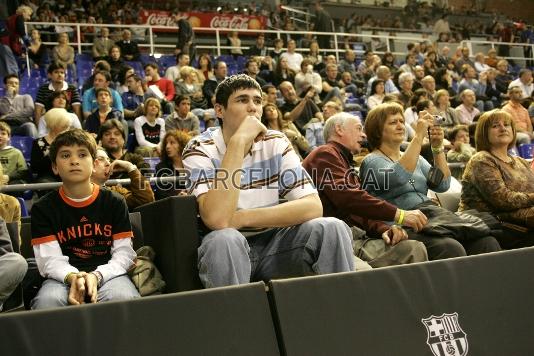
(510, 161)
(386, 155)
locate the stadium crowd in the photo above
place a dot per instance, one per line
(411, 117)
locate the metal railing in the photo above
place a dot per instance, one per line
(338, 45)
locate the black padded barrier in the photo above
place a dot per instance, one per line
(170, 228)
(223, 321)
(478, 306)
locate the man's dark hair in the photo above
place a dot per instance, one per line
(101, 65)
(151, 65)
(106, 75)
(266, 87)
(179, 98)
(135, 77)
(180, 55)
(216, 64)
(232, 84)
(111, 124)
(71, 138)
(10, 76)
(54, 66)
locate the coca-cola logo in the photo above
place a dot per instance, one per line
(237, 22)
(160, 20)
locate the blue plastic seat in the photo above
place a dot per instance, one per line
(24, 144)
(23, 208)
(526, 150)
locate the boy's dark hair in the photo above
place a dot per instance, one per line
(111, 124)
(266, 87)
(10, 76)
(70, 138)
(54, 66)
(455, 130)
(232, 84)
(99, 90)
(179, 98)
(151, 65)
(5, 127)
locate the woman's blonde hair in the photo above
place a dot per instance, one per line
(484, 124)
(186, 71)
(56, 118)
(152, 101)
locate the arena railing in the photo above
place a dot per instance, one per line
(339, 38)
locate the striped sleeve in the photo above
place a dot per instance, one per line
(200, 167)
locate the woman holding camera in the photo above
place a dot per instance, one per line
(498, 183)
(403, 179)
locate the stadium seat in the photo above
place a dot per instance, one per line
(23, 209)
(166, 61)
(525, 150)
(24, 144)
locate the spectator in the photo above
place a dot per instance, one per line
(281, 73)
(307, 78)
(461, 151)
(125, 71)
(524, 82)
(17, 30)
(443, 80)
(492, 59)
(15, 169)
(406, 85)
(165, 86)
(186, 36)
(441, 25)
(272, 119)
(137, 193)
(270, 95)
(133, 99)
(463, 60)
(112, 136)
(444, 109)
(57, 83)
(478, 87)
(57, 121)
(377, 94)
(182, 118)
(116, 63)
(383, 73)
(37, 51)
(522, 122)
(171, 163)
(356, 207)
(149, 129)
(389, 61)
(294, 59)
(429, 84)
(10, 210)
(190, 86)
(63, 53)
(259, 48)
(220, 71)
(299, 217)
(234, 41)
(100, 66)
(348, 64)
(103, 113)
(14, 266)
(409, 65)
(503, 78)
(65, 265)
(102, 45)
(322, 23)
(16, 110)
(480, 65)
(299, 111)
(173, 72)
(204, 68)
(418, 77)
(90, 100)
(277, 51)
(467, 110)
(330, 108)
(59, 100)
(129, 48)
(498, 183)
(409, 179)
(252, 69)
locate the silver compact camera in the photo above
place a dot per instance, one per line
(438, 120)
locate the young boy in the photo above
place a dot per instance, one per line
(461, 150)
(81, 234)
(104, 112)
(11, 158)
(238, 174)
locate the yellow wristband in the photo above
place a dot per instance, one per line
(66, 279)
(401, 217)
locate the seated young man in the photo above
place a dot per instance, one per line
(81, 234)
(238, 174)
(11, 158)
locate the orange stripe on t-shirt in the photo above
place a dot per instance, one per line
(43, 240)
(123, 235)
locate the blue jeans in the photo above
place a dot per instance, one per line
(318, 246)
(12, 270)
(55, 294)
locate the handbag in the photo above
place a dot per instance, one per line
(435, 177)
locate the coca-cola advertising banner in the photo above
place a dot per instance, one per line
(201, 19)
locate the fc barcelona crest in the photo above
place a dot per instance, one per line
(445, 337)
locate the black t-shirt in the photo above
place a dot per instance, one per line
(85, 230)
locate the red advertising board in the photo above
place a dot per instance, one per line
(201, 19)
